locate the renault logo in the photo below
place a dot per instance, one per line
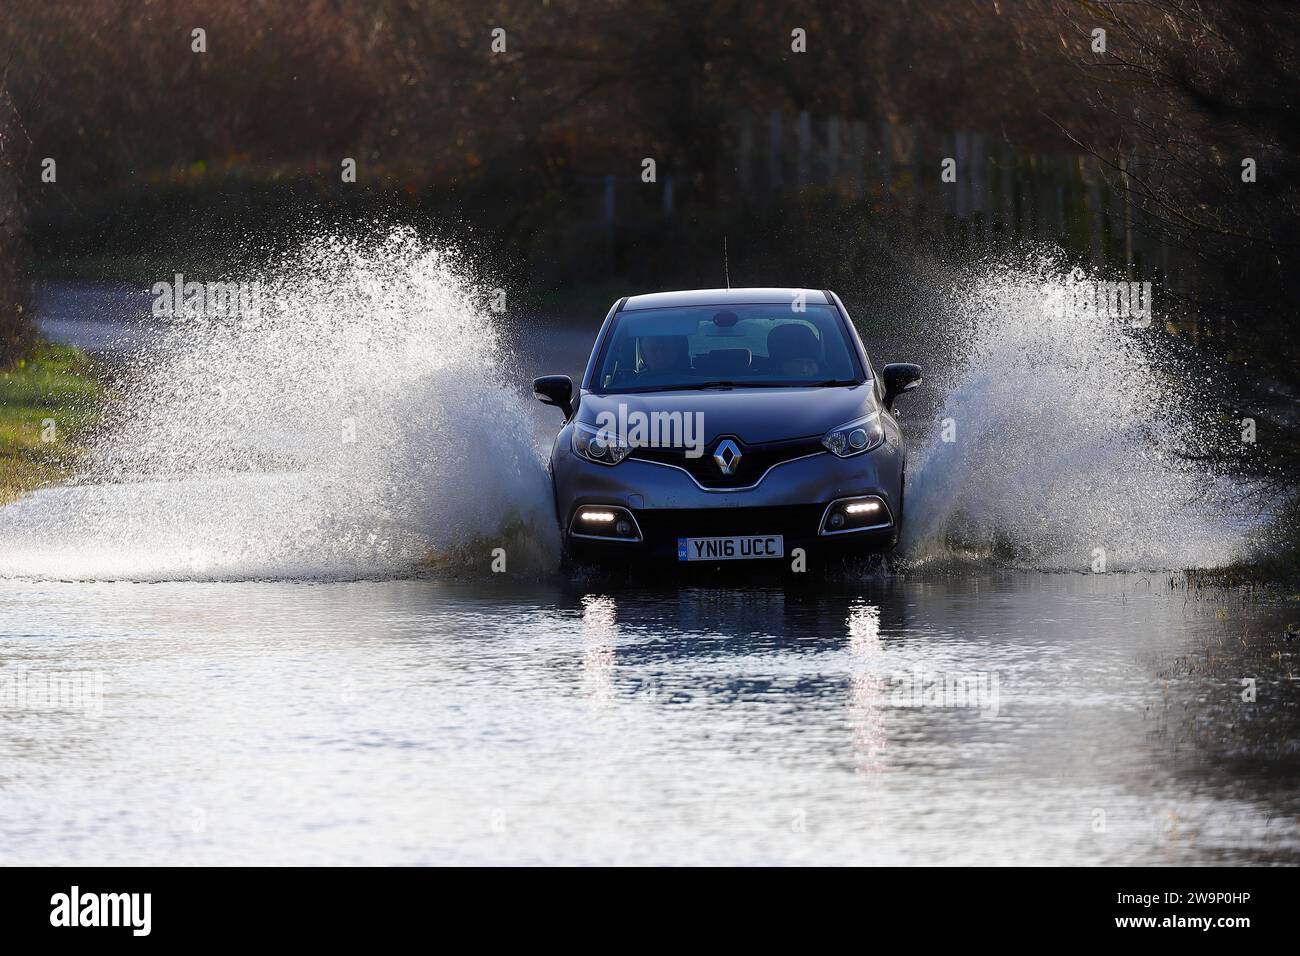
(728, 456)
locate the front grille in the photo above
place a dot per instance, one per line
(755, 460)
(663, 526)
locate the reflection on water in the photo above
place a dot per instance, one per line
(428, 721)
(867, 686)
(598, 633)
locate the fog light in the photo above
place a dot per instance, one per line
(607, 522)
(846, 515)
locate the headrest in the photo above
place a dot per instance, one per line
(793, 341)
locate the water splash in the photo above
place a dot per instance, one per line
(361, 422)
(229, 456)
(1074, 437)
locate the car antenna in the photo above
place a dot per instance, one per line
(726, 273)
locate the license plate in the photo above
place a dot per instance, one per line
(739, 548)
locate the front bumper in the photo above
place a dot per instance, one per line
(668, 504)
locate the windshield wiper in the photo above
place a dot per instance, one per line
(690, 386)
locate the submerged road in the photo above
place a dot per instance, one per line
(974, 715)
(983, 719)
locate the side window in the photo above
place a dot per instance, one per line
(620, 367)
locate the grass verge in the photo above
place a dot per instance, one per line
(1274, 559)
(47, 403)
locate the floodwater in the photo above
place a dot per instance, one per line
(224, 643)
(1018, 718)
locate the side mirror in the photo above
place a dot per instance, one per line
(899, 377)
(555, 390)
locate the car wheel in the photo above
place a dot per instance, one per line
(902, 509)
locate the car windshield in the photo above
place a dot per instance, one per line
(735, 346)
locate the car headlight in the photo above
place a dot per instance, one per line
(598, 445)
(855, 437)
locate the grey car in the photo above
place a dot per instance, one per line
(722, 425)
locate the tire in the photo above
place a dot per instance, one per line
(902, 507)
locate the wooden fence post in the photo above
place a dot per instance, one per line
(860, 159)
(1128, 218)
(833, 152)
(1094, 210)
(745, 152)
(775, 151)
(804, 131)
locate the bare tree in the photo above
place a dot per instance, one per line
(15, 320)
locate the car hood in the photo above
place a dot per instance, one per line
(751, 414)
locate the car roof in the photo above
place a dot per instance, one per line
(687, 297)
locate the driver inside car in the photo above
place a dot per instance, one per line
(665, 353)
(794, 349)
